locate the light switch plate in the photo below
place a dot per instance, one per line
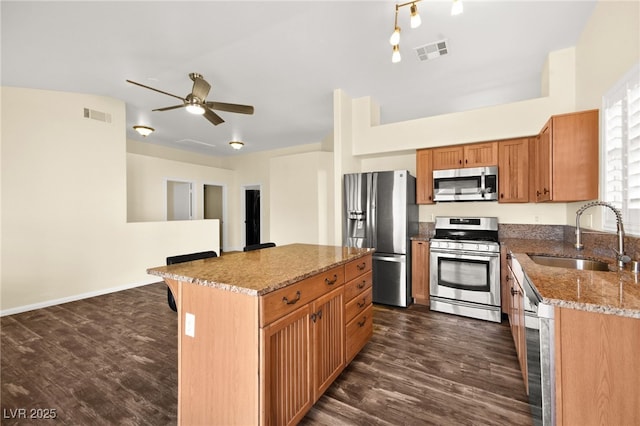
(190, 324)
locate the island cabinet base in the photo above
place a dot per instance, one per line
(218, 364)
(246, 359)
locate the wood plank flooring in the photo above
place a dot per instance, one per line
(113, 360)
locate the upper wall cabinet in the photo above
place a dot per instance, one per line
(567, 158)
(424, 176)
(514, 168)
(472, 155)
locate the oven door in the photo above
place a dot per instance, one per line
(466, 276)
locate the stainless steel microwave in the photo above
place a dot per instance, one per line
(467, 184)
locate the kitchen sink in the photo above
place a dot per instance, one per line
(570, 263)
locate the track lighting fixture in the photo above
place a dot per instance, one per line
(415, 22)
(144, 130)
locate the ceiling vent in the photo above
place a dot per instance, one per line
(193, 142)
(432, 50)
(97, 115)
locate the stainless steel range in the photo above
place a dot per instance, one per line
(465, 267)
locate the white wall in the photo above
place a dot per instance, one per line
(301, 203)
(64, 194)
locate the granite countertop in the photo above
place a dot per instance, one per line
(613, 292)
(261, 271)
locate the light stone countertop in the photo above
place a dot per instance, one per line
(613, 292)
(261, 271)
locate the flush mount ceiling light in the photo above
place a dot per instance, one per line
(415, 22)
(144, 130)
(236, 144)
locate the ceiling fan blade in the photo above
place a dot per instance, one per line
(214, 118)
(221, 106)
(155, 90)
(200, 88)
(169, 108)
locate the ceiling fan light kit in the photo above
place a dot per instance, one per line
(144, 130)
(415, 22)
(196, 103)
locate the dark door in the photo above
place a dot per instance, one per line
(252, 216)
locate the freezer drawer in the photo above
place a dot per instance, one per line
(390, 284)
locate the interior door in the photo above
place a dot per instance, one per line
(179, 200)
(252, 216)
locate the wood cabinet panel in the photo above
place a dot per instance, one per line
(327, 323)
(358, 304)
(280, 302)
(424, 176)
(513, 170)
(420, 272)
(449, 157)
(597, 368)
(567, 158)
(357, 286)
(481, 154)
(287, 389)
(359, 332)
(516, 315)
(358, 267)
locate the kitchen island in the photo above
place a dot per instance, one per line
(262, 334)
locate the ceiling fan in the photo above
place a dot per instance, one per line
(195, 102)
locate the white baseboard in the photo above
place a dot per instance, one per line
(47, 303)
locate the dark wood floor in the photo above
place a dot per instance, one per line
(113, 360)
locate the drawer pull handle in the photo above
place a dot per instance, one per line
(362, 284)
(361, 266)
(363, 322)
(292, 302)
(363, 303)
(327, 281)
(316, 316)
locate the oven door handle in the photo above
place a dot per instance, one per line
(458, 253)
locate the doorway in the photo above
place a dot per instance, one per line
(252, 215)
(179, 195)
(214, 207)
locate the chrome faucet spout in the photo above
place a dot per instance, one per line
(620, 255)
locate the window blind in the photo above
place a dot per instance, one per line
(620, 173)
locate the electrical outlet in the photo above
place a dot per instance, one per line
(190, 324)
(536, 219)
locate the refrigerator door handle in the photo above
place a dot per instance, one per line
(372, 199)
(400, 258)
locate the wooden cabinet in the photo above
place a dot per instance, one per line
(327, 340)
(420, 272)
(567, 158)
(516, 314)
(472, 155)
(358, 306)
(514, 168)
(304, 351)
(597, 368)
(424, 176)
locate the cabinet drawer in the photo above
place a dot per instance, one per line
(357, 267)
(359, 331)
(357, 286)
(358, 304)
(285, 300)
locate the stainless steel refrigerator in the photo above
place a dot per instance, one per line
(380, 211)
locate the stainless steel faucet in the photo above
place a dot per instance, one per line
(620, 255)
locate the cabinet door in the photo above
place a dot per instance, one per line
(575, 156)
(513, 170)
(543, 163)
(481, 154)
(449, 157)
(420, 272)
(424, 178)
(327, 324)
(287, 388)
